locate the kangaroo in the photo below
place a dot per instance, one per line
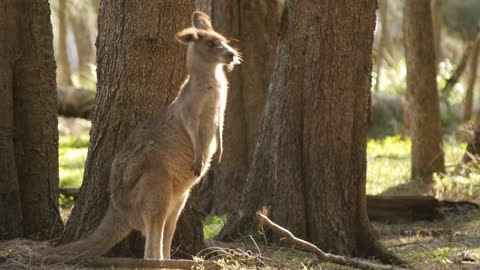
(165, 157)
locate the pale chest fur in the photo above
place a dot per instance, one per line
(212, 114)
(201, 106)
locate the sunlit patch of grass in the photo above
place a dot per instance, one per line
(388, 163)
(72, 154)
(389, 166)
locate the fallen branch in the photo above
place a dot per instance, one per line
(322, 256)
(142, 263)
(103, 262)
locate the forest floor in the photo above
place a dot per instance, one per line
(449, 243)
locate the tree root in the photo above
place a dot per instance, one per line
(322, 256)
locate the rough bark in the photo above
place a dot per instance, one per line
(426, 131)
(140, 69)
(467, 112)
(317, 107)
(64, 72)
(83, 40)
(11, 224)
(29, 132)
(253, 27)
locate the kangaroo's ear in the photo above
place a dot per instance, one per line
(201, 20)
(187, 35)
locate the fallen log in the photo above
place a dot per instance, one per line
(407, 208)
(75, 102)
(403, 208)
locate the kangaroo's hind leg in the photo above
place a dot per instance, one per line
(171, 223)
(154, 199)
(154, 228)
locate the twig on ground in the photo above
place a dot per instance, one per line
(322, 256)
(411, 243)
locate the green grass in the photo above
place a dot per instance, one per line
(72, 154)
(388, 163)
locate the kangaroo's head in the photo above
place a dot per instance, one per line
(205, 46)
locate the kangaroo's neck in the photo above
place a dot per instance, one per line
(213, 76)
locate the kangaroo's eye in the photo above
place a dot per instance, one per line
(211, 44)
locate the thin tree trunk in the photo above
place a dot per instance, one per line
(259, 21)
(467, 112)
(64, 72)
(426, 131)
(29, 131)
(317, 107)
(383, 8)
(140, 70)
(406, 112)
(437, 21)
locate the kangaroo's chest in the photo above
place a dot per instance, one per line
(212, 115)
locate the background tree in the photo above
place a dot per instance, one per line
(256, 39)
(437, 23)
(467, 112)
(28, 122)
(309, 164)
(140, 70)
(78, 15)
(426, 131)
(384, 39)
(64, 71)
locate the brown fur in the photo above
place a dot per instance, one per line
(153, 173)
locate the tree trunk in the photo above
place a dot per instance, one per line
(248, 83)
(437, 22)
(317, 107)
(11, 224)
(140, 70)
(28, 131)
(83, 41)
(64, 73)
(426, 131)
(467, 112)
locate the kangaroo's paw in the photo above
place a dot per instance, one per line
(217, 158)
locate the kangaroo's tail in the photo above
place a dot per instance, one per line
(111, 230)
